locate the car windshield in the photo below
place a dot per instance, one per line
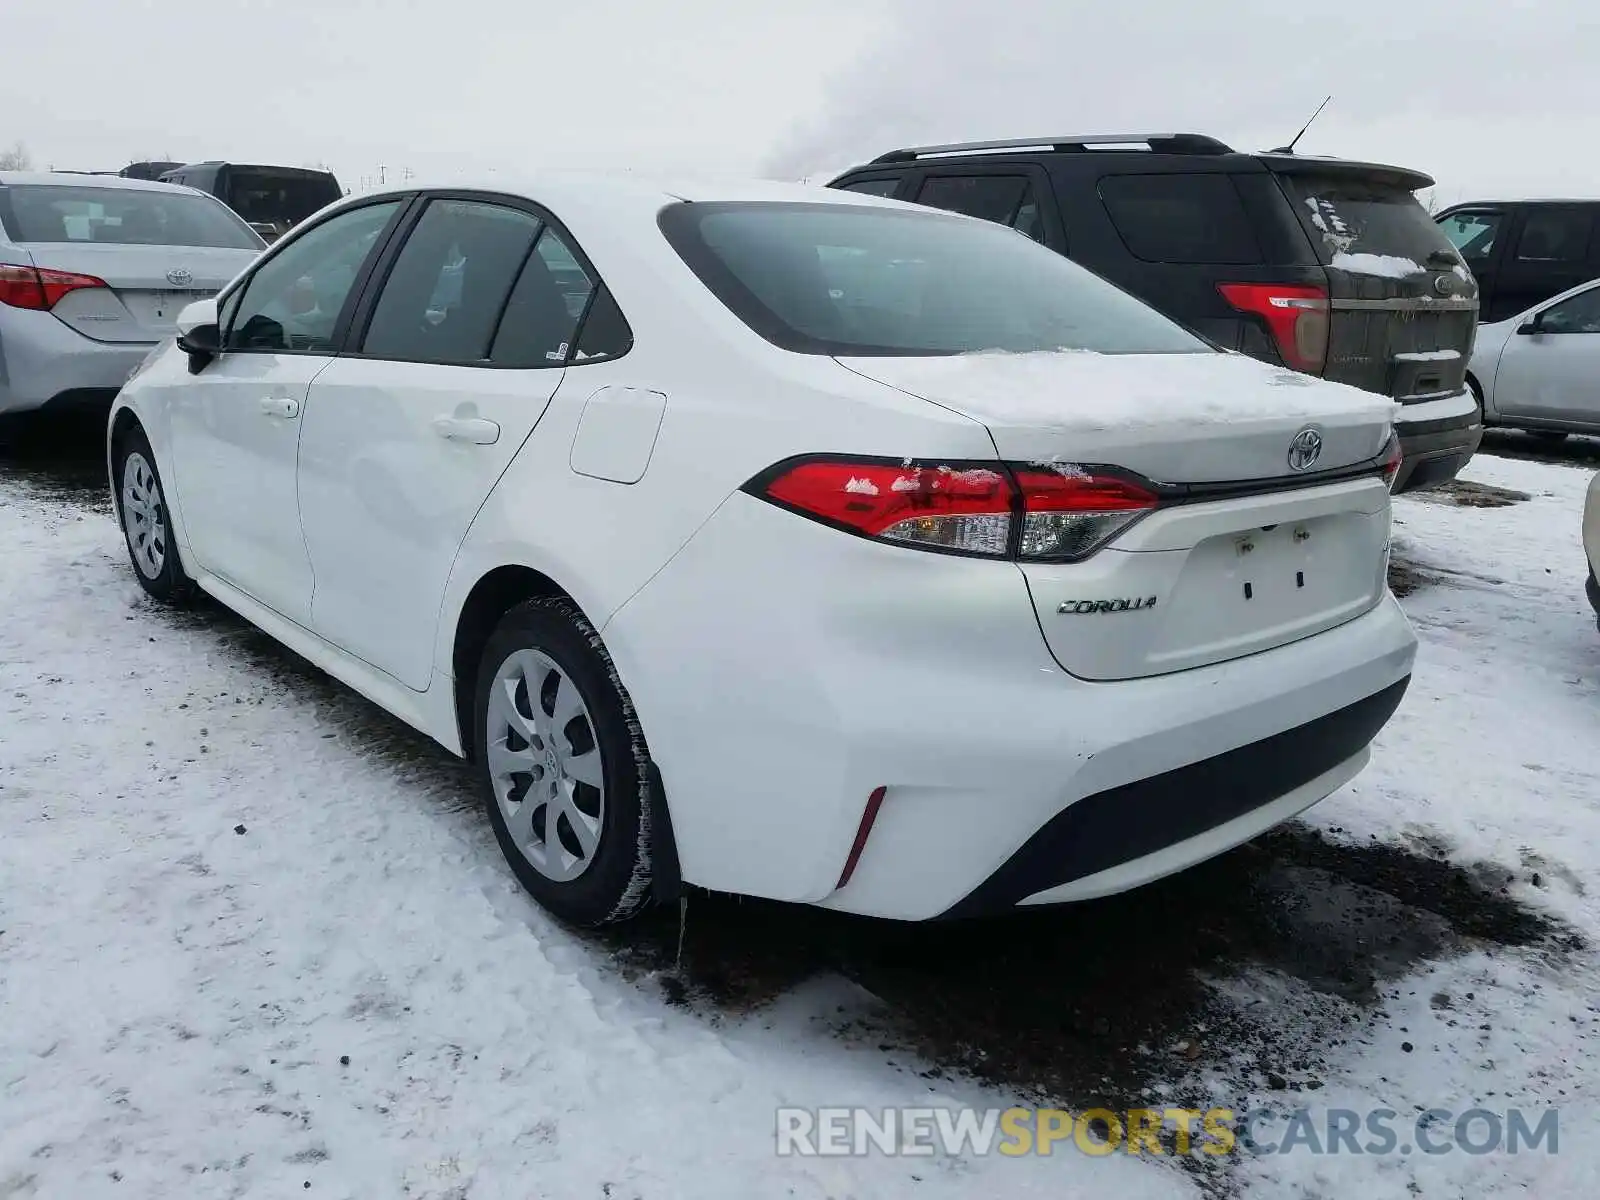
(857, 280)
(122, 216)
(266, 197)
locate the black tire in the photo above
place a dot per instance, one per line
(616, 884)
(169, 584)
(1592, 586)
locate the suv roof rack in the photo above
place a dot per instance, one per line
(1161, 143)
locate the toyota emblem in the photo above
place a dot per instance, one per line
(1304, 450)
(180, 277)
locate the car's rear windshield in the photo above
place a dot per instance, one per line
(856, 280)
(121, 216)
(1351, 215)
(266, 197)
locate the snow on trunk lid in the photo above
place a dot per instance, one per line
(1174, 418)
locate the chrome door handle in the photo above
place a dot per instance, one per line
(280, 406)
(478, 430)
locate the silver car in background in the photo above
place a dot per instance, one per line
(93, 271)
(1540, 370)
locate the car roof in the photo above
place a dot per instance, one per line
(1203, 150)
(557, 190)
(71, 179)
(249, 166)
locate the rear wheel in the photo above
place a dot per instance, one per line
(564, 765)
(146, 526)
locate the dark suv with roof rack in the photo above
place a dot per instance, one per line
(1327, 266)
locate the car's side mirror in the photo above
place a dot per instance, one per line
(1534, 325)
(199, 335)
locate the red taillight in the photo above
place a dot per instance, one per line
(1297, 317)
(1032, 512)
(1069, 512)
(39, 287)
(1392, 459)
(967, 510)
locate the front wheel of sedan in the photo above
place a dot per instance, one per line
(146, 525)
(564, 765)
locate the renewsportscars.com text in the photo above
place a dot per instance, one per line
(1014, 1132)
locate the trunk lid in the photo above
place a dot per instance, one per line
(1403, 303)
(146, 285)
(1173, 418)
(1245, 555)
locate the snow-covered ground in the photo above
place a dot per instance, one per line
(255, 939)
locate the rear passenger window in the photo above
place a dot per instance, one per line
(444, 297)
(1003, 199)
(1554, 235)
(872, 187)
(545, 307)
(605, 331)
(1180, 218)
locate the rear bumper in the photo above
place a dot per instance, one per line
(1186, 815)
(42, 359)
(784, 673)
(1437, 439)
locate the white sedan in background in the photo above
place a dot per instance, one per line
(1540, 370)
(780, 540)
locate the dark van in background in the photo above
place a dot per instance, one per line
(147, 170)
(271, 199)
(1524, 251)
(1327, 266)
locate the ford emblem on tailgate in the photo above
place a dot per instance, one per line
(180, 277)
(1305, 449)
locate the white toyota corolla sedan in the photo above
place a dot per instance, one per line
(780, 541)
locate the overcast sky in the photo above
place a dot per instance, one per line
(1490, 96)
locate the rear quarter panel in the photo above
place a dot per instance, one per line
(734, 406)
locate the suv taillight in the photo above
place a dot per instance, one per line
(40, 288)
(1295, 315)
(1029, 512)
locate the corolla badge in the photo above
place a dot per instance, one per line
(1304, 450)
(180, 277)
(1121, 604)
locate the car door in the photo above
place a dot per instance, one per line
(461, 349)
(1014, 194)
(235, 427)
(1552, 372)
(1548, 254)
